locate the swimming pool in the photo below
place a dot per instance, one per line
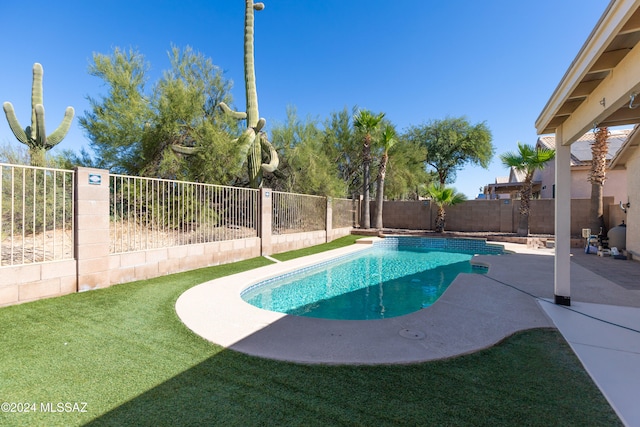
(397, 276)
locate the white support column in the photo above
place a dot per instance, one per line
(562, 266)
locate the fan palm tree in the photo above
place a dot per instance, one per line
(387, 140)
(443, 196)
(367, 123)
(597, 176)
(527, 160)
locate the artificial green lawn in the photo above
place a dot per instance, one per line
(124, 352)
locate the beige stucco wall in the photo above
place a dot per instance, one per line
(615, 186)
(633, 213)
(548, 178)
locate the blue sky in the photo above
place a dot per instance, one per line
(495, 60)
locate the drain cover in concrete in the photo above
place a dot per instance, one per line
(411, 334)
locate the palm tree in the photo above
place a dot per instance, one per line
(527, 160)
(443, 196)
(387, 140)
(597, 176)
(367, 123)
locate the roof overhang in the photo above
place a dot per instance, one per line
(620, 159)
(597, 88)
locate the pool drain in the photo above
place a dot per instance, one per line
(411, 334)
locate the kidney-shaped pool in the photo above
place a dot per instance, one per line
(396, 276)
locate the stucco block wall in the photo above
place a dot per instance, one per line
(476, 215)
(489, 215)
(472, 215)
(31, 282)
(336, 233)
(580, 215)
(414, 215)
(507, 216)
(290, 242)
(128, 267)
(541, 216)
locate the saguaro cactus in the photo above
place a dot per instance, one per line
(253, 141)
(35, 136)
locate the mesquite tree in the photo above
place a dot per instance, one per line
(451, 144)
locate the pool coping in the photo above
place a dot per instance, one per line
(486, 312)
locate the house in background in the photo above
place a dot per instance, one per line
(543, 185)
(616, 183)
(508, 187)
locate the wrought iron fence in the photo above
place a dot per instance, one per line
(343, 213)
(149, 213)
(36, 221)
(296, 213)
(37, 213)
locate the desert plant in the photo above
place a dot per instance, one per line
(253, 140)
(528, 159)
(443, 196)
(597, 177)
(367, 123)
(35, 136)
(34, 200)
(387, 140)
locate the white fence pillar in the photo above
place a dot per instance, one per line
(329, 219)
(265, 221)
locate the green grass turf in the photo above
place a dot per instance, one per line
(124, 352)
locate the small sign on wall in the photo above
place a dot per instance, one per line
(95, 179)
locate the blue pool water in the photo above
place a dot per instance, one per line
(394, 277)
